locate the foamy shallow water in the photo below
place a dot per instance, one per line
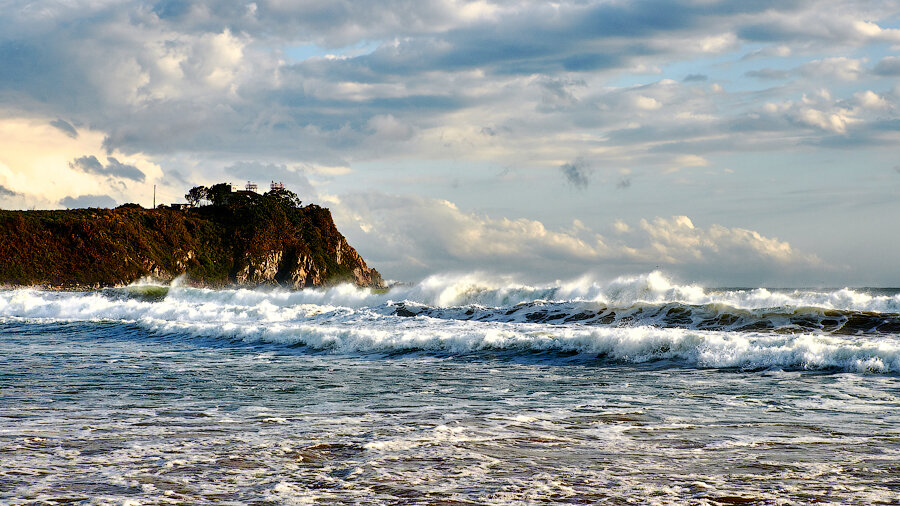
(193, 396)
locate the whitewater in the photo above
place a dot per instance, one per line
(464, 389)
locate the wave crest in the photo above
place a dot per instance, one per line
(630, 319)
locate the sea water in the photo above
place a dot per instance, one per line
(455, 390)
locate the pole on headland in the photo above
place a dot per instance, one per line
(154, 196)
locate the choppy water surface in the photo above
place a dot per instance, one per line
(450, 391)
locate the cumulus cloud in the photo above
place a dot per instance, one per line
(407, 234)
(210, 77)
(677, 241)
(868, 99)
(388, 128)
(113, 168)
(83, 201)
(820, 113)
(844, 69)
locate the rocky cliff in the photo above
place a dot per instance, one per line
(256, 240)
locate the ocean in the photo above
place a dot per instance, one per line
(459, 389)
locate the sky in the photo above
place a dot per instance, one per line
(728, 143)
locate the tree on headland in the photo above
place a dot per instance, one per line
(283, 196)
(196, 194)
(219, 194)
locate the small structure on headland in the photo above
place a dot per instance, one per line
(248, 191)
(219, 194)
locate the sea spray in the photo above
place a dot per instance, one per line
(634, 319)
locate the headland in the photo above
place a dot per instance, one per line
(237, 238)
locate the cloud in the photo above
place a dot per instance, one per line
(64, 126)
(39, 166)
(113, 168)
(203, 78)
(677, 241)
(577, 173)
(624, 183)
(414, 236)
(822, 112)
(781, 51)
(840, 68)
(83, 201)
(817, 26)
(888, 66)
(386, 127)
(458, 88)
(770, 74)
(407, 235)
(868, 99)
(6, 192)
(263, 174)
(685, 161)
(844, 69)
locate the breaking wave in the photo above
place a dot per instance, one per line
(631, 319)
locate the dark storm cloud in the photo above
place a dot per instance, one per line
(693, 78)
(82, 201)
(113, 168)
(577, 173)
(67, 128)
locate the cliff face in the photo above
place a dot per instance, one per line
(255, 242)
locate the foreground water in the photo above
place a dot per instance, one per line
(453, 391)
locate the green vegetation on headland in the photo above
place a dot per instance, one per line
(241, 238)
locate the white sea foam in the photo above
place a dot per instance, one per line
(478, 289)
(345, 319)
